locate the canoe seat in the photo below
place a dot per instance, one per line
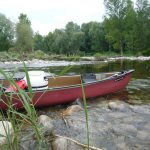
(61, 81)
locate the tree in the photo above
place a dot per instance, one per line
(97, 34)
(24, 34)
(130, 27)
(49, 41)
(6, 33)
(116, 11)
(94, 39)
(74, 38)
(142, 25)
(60, 45)
(38, 42)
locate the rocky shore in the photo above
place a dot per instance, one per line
(113, 125)
(83, 60)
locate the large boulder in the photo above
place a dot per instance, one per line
(46, 124)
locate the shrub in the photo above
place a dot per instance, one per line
(146, 52)
(100, 57)
(38, 54)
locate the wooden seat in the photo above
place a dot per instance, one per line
(64, 81)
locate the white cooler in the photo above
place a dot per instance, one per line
(37, 80)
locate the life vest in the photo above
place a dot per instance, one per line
(21, 84)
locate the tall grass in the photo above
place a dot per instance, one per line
(86, 113)
(18, 119)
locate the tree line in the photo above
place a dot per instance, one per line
(125, 29)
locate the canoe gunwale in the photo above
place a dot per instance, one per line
(113, 77)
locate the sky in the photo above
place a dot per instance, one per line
(47, 15)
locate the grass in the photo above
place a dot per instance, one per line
(38, 54)
(20, 119)
(86, 113)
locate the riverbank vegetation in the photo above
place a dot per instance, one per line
(124, 30)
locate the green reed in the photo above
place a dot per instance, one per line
(86, 113)
(18, 118)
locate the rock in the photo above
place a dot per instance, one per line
(145, 109)
(118, 105)
(121, 146)
(61, 143)
(124, 129)
(6, 132)
(46, 123)
(34, 145)
(147, 127)
(79, 102)
(143, 135)
(71, 109)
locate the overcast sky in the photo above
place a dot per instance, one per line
(47, 15)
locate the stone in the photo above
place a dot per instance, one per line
(46, 123)
(71, 109)
(118, 105)
(125, 129)
(145, 109)
(147, 126)
(79, 102)
(121, 146)
(6, 132)
(143, 135)
(61, 143)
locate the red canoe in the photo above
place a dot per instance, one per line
(65, 89)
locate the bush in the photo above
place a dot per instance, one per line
(146, 52)
(71, 58)
(100, 57)
(38, 54)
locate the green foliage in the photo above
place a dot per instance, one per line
(38, 41)
(20, 119)
(71, 58)
(100, 57)
(125, 29)
(6, 33)
(86, 113)
(114, 23)
(142, 25)
(24, 34)
(94, 37)
(146, 52)
(38, 54)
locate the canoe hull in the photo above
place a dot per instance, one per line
(68, 94)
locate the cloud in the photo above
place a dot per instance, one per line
(46, 15)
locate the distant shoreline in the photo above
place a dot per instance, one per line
(82, 59)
